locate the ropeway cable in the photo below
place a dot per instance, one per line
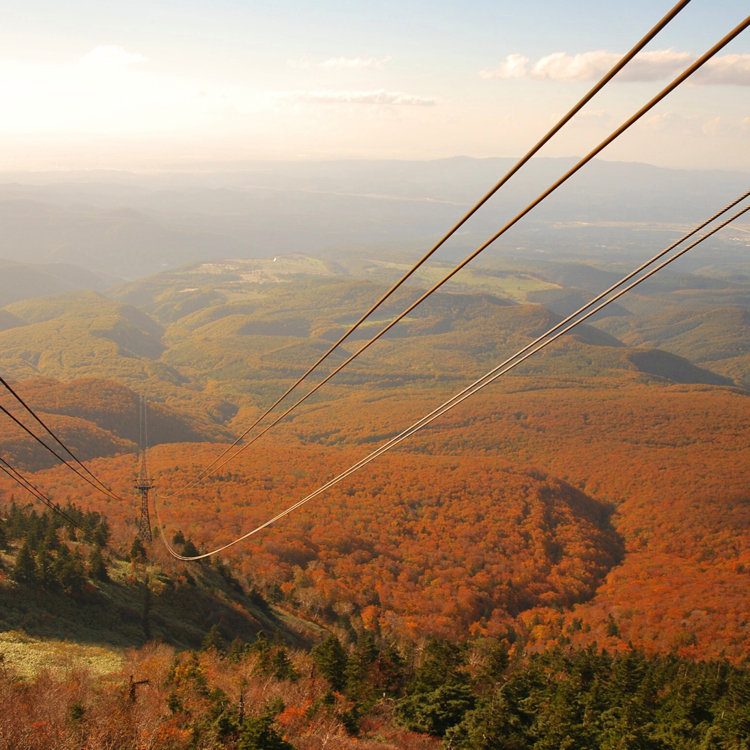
(99, 484)
(20, 479)
(573, 320)
(218, 464)
(621, 63)
(103, 489)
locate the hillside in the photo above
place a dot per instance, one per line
(718, 338)
(450, 534)
(554, 508)
(61, 581)
(96, 417)
(216, 341)
(19, 281)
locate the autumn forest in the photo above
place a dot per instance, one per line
(563, 560)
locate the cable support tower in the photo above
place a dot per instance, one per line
(143, 485)
(88, 476)
(624, 285)
(679, 80)
(619, 65)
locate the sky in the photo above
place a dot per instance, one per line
(193, 84)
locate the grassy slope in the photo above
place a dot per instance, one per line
(42, 629)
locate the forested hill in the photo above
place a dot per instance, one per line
(576, 533)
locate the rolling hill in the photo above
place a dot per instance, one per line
(598, 494)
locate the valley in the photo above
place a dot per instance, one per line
(592, 501)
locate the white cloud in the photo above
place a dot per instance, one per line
(514, 66)
(732, 70)
(111, 54)
(647, 66)
(714, 126)
(590, 66)
(355, 63)
(379, 97)
(342, 63)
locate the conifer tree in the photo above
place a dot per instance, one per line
(97, 567)
(258, 734)
(24, 569)
(44, 567)
(137, 551)
(330, 658)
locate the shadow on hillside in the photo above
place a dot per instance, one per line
(128, 614)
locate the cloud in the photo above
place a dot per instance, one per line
(590, 66)
(342, 63)
(646, 66)
(111, 54)
(727, 70)
(379, 97)
(514, 66)
(355, 63)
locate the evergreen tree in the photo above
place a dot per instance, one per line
(330, 658)
(213, 640)
(257, 733)
(137, 551)
(281, 666)
(69, 571)
(101, 534)
(17, 521)
(45, 574)
(24, 569)
(189, 549)
(97, 566)
(435, 711)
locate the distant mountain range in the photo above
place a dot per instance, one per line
(128, 225)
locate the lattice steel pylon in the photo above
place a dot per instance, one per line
(143, 486)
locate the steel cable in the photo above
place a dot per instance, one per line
(99, 484)
(60, 458)
(621, 63)
(217, 464)
(20, 479)
(573, 320)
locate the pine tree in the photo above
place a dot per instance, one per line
(189, 549)
(44, 568)
(97, 566)
(330, 658)
(69, 571)
(24, 569)
(214, 640)
(258, 734)
(101, 534)
(137, 551)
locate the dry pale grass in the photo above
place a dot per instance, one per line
(28, 656)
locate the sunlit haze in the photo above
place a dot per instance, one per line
(163, 85)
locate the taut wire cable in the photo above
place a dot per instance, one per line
(20, 479)
(100, 486)
(540, 343)
(624, 60)
(216, 465)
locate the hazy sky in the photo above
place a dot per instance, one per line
(136, 84)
